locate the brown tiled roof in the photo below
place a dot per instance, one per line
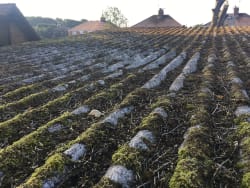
(158, 21)
(91, 26)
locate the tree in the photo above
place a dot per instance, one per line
(218, 15)
(52, 28)
(114, 15)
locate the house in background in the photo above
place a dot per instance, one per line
(14, 28)
(237, 18)
(160, 20)
(91, 26)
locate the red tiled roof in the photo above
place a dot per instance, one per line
(91, 26)
(158, 21)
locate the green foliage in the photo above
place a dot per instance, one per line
(52, 28)
(115, 16)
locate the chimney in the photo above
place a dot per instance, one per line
(161, 12)
(103, 19)
(236, 11)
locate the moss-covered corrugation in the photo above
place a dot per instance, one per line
(133, 158)
(116, 93)
(95, 137)
(44, 142)
(21, 92)
(236, 89)
(97, 46)
(243, 133)
(55, 165)
(194, 164)
(245, 182)
(135, 97)
(243, 127)
(242, 123)
(107, 183)
(11, 109)
(187, 42)
(188, 173)
(38, 98)
(241, 45)
(17, 159)
(151, 123)
(22, 124)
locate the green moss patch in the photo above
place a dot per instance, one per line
(245, 183)
(21, 92)
(54, 166)
(136, 97)
(107, 183)
(243, 129)
(188, 174)
(201, 115)
(11, 109)
(131, 158)
(162, 101)
(152, 122)
(20, 158)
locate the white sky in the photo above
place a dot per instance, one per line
(186, 12)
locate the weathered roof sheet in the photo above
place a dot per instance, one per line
(115, 109)
(158, 21)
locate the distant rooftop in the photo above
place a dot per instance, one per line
(160, 20)
(91, 26)
(236, 19)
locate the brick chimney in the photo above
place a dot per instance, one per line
(161, 12)
(236, 11)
